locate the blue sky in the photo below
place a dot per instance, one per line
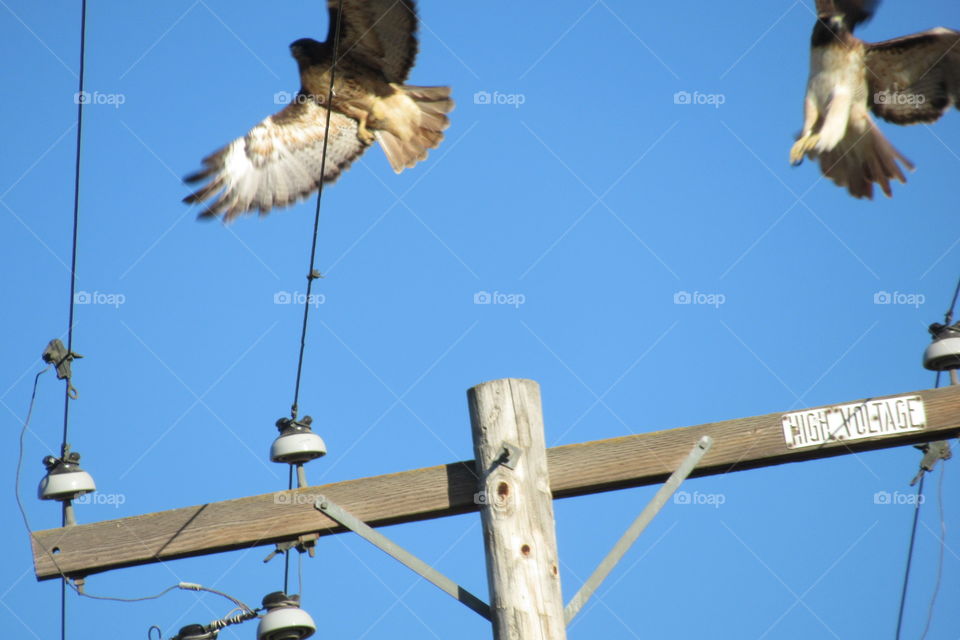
(582, 190)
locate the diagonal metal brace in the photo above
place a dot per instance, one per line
(385, 544)
(633, 532)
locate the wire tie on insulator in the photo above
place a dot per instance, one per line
(234, 619)
(57, 355)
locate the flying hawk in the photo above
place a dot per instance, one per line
(278, 162)
(906, 80)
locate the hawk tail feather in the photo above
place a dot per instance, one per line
(862, 159)
(432, 104)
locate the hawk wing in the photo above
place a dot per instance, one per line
(915, 78)
(277, 162)
(381, 34)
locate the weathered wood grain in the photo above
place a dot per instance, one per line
(519, 536)
(434, 492)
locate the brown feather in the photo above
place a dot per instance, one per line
(380, 34)
(915, 78)
(277, 162)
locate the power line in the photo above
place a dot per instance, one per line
(943, 544)
(23, 432)
(76, 217)
(906, 575)
(953, 304)
(948, 320)
(73, 281)
(312, 274)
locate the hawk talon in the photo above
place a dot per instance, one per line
(803, 146)
(796, 153)
(366, 136)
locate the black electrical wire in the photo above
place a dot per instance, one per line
(943, 544)
(316, 218)
(23, 432)
(76, 216)
(906, 574)
(953, 304)
(312, 273)
(73, 280)
(948, 320)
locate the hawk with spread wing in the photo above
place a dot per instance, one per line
(279, 161)
(906, 80)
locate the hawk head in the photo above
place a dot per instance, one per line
(836, 19)
(833, 28)
(829, 26)
(307, 51)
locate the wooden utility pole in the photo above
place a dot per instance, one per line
(516, 508)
